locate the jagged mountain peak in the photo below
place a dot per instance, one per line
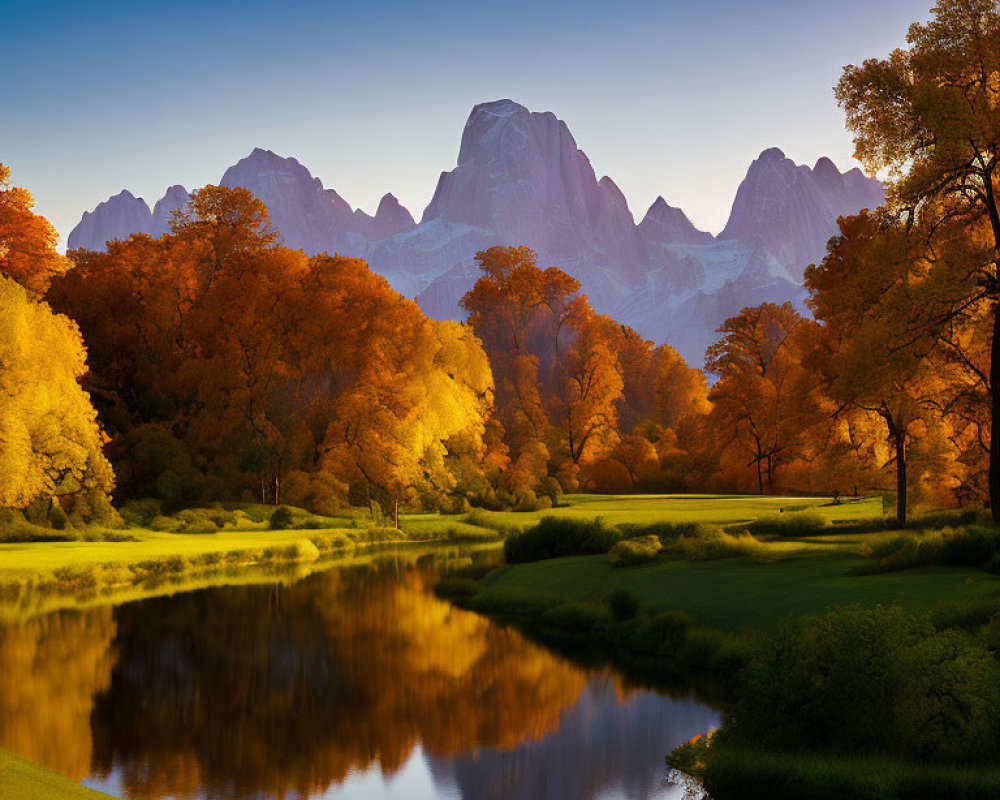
(792, 210)
(118, 217)
(498, 108)
(666, 224)
(772, 154)
(174, 199)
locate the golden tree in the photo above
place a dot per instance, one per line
(930, 114)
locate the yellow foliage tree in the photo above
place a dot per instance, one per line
(50, 442)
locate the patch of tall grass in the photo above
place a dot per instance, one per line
(970, 546)
(554, 537)
(711, 542)
(630, 552)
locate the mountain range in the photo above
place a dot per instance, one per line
(521, 180)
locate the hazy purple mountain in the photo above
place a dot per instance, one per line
(307, 215)
(792, 210)
(175, 199)
(520, 179)
(664, 224)
(117, 217)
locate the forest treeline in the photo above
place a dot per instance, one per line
(215, 364)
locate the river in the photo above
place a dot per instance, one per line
(356, 682)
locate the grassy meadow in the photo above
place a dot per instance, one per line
(196, 540)
(26, 780)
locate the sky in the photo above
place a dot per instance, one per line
(667, 97)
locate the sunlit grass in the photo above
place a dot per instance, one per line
(21, 779)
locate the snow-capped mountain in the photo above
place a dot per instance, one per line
(521, 180)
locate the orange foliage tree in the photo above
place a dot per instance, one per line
(226, 365)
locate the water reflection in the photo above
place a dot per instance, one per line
(354, 683)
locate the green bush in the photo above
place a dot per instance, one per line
(971, 546)
(141, 513)
(281, 519)
(974, 546)
(790, 524)
(623, 604)
(549, 487)
(629, 552)
(554, 537)
(863, 680)
(709, 542)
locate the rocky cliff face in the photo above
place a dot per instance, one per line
(117, 217)
(520, 179)
(792, 210)
(175, 199)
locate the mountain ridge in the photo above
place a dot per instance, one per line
(520, 178)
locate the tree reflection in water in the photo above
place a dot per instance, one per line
(282, 691)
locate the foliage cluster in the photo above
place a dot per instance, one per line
(554, 537)
(869, 681)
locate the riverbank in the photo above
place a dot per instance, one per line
(199, 547)
(716, 613)
(21, 779)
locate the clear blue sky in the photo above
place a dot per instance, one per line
(674, 97)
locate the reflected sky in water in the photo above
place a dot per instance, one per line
(355, 683)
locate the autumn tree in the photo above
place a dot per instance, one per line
(227, 366)
(27, 240)
(930, 114)
(763, 399)
(877, 359)
(50, 441)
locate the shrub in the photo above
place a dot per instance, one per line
(630, 552)
(281, 519)
(623, 604)
(790, 524)
(710, 542)
(141, 513)
(973, 546)
(549, 487)
(870, 680)
(554, 537)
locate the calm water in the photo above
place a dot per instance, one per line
(354, 683)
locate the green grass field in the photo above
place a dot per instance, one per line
(732, 594)
(32, 559)
(21, 779)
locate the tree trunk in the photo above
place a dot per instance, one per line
(395, 515)
(900, 479)
(995, 415)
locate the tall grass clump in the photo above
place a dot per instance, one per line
(791, 524)
(630, 552)
(554, 537)
(710, 542)
(972, 546)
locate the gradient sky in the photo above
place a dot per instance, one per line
(671, 98)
